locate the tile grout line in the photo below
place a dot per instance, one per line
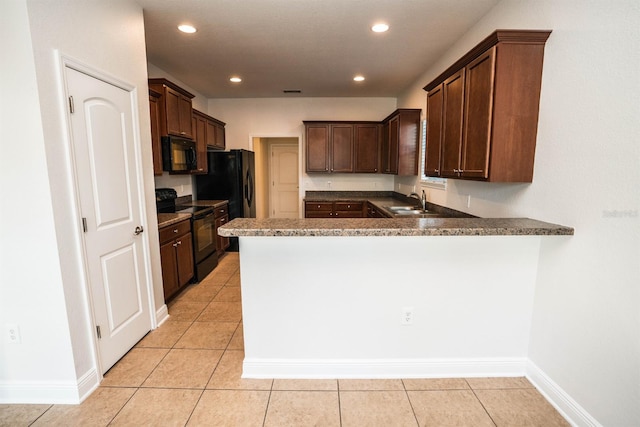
(406, 392)
(41, 415)
(339, 402)
(481, 404)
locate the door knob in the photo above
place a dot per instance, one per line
(138, 230)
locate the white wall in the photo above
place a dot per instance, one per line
(31, 293)
(42, 254)
(586, 324)
(281, 117)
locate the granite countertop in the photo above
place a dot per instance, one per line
(167, 219)
(240, 227)
(212, 203)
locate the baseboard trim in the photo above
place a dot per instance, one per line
(560, 399)
(87, 384)
(383, 368)
(14, 392)
(162, 314)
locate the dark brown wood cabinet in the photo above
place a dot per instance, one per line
(221, 216)
(329, 147)
(452, 122)
(489, 109)
(342, 147)
(215, 134)
(175, 108)
(374, 212)
(367, 147)
(176, 257)
(156, 142)
(342, 209)
(435, 103)
(199, 121)
(399, 154)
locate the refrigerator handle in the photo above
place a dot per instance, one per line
(248, 188)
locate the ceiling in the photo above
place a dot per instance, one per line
(316, 46)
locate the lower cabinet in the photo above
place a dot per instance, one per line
(176, 256)
(334, 209)
(373, 212)
(221, 218)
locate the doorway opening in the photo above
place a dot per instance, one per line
(277, 177)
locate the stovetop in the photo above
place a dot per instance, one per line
(193, 209)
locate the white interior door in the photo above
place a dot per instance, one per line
(107, 176)
(284, 181)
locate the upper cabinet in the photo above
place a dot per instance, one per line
(156, 144)
(175, 108)
(482, 112)
(208, 134)
(342, 147)
(364, 147)
(400, 142)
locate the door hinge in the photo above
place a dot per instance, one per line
(84, 224)
(71, 109)
(99, 333)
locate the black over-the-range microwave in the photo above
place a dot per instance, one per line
(178, 154)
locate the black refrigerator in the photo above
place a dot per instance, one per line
(230, 177)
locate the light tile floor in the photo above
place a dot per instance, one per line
(187, 373)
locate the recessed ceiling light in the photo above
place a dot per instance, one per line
(235, 79)
(187, 28)
(380, 28)
(358, 78)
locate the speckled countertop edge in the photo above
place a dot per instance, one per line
(212, 203)
(240, 227)
(167, 219)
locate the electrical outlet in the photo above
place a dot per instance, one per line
(13, 333)
(407, 316)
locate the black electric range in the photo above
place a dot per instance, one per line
(202, 228)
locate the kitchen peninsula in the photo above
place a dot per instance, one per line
(388, 297)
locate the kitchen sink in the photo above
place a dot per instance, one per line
(407, 210)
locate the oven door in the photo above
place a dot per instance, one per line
(204, 236)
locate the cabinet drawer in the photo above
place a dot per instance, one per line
(318, 214)
(318, 207)
(222, 211)
(174, 230)
(348, 206)
(347, 214)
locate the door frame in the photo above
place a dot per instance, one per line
(66, 62)
(298, 136)
(271, 192)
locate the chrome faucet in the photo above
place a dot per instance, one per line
(422, 200)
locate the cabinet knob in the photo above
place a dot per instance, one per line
(348, 206)
(175, 230)
(175, 245)
(183, 133)
(436, 170)
(179, 242)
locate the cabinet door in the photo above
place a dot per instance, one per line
(172, 105)
(184, 258)
(318, 209)
(452, 124)
(478, 110)
(200, 130)
(156, 142)
(341, 149)
(394, 141)
(317, 148)
(384, 149)
(222, 242)
(185, 116)
(367, 148)
(220, 142)
(435, 103)
(169, 268)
